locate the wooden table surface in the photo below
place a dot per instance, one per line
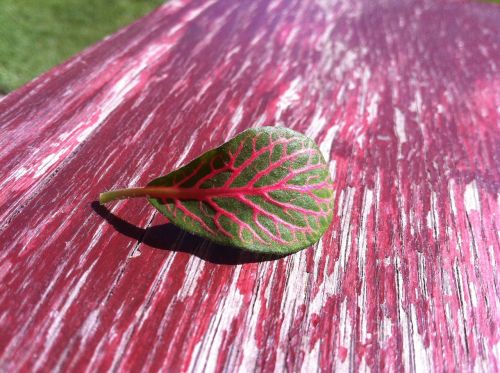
(402, 97)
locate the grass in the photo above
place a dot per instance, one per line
(38, 34)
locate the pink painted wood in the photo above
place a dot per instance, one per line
(401, 96)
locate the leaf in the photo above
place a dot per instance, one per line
(267, 190)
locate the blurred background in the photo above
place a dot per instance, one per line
(38, 34)
(35, 35)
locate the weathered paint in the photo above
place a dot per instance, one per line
(402, 98)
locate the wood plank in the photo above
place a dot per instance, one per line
(402, 98)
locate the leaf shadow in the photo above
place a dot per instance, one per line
(171, 238)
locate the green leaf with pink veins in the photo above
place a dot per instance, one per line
(267, 190)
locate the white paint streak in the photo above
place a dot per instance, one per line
(194, 271)
(422, 283)
(326, 288)
(194, 13)
(362, 249)
(48, 161)
(416, 104)
(55, 326)
(251, 351)
(451, 191)
(235, 121)
(432, 217)
(294, 297)
(311, 358)
(345, 64)
(399, 123)
(219, 324)
(473, 294)
(496, 351)
(471, 197)
(185, 152)
(19, 173)
(345, 243)
(326, 145)
(372, 108)
(289, 97)
(386, 329)
(89, 326)
(403, 316)
(422, 356)
(345, 323)
(317, 125)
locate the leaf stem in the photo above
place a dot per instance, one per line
(119, 194)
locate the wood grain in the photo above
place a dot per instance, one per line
(401, 96)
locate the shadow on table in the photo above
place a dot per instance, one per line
(168, 237)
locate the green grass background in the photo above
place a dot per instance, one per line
(38, 34)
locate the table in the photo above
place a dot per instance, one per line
(402, 98)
